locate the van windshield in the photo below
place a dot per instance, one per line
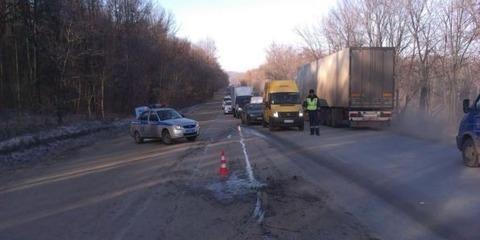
(285, 98)
(255, 107)
(242, 100)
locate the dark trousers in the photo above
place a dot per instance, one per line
(314, 122)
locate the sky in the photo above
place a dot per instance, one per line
(243, 29)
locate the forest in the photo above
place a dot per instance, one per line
(98, 57)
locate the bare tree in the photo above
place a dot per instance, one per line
(312, 37)
(459, 32)
(342, 27)
(423, 29)
(209, 46)
(282, 62)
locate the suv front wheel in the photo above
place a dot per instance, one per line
(470, 154)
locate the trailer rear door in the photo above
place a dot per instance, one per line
(372, 78)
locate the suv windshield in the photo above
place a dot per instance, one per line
(168, 114)
(285, 98)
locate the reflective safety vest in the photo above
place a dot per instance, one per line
(312, 104)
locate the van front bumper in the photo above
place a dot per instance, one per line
(287, 121)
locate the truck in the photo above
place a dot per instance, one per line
(240, 97)
(355, 86)
(283, 106)
(468, 136)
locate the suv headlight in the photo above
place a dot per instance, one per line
(240, 109)
(176, 127)
(275, 114)
(197, 125)
(300, 114)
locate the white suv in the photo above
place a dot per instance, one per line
(227, 107)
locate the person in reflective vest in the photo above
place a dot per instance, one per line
(311, 104)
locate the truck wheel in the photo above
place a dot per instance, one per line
(301, 128)
(470, 154)
(329, 118)
(334, 118)
(166, 138)
(264, 124)
(192, 139)
(138, 138)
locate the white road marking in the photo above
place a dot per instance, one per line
(258, 212)
(248, 166)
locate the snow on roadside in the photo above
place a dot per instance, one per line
(31, 148)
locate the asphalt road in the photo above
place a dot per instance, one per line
(400, 186)
(345, 184)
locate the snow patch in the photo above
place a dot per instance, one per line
(33, 147)
(232, 187)
(44, 137)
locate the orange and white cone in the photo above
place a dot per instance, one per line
(223, 166)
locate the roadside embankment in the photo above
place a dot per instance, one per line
(34, 147)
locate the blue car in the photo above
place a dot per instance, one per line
(469, 133)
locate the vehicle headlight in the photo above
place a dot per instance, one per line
(197, 125)
(275, 114)
(176, 127)
(240, 109)
(300, 114)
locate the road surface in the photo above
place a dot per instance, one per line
(345, 184)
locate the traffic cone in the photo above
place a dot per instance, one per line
(223, 166)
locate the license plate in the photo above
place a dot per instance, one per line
(259, 118)
(189, 131)
(288, 121)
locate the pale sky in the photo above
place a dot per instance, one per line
(243, 29)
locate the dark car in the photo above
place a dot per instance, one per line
(252, 113)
